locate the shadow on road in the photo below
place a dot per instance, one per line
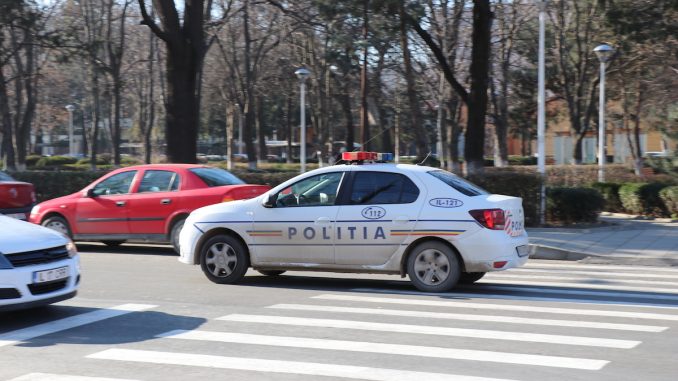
(127, 248)
(132, 327)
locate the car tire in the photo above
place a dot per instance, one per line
(433, 267)
(224, 259)
(59, 224)
(271, 272)
(113, 243)
(468, 278)
(174, 234)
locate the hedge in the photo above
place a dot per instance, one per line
(52, 184)
(573, 204)
(669, 196)
(643, 198)
(610, 192)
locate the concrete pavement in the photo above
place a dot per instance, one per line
(620, 239)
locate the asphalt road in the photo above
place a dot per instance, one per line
(141, 315)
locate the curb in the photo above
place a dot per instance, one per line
(552, 253)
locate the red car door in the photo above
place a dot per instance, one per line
(155, 200)
(105, 209)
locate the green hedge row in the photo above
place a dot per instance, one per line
(573, 204)
(651, 199)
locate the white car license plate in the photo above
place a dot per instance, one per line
(18, 216)
(523, 250)
(50, 275)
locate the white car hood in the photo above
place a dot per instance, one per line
(19, 236)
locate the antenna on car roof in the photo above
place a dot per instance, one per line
(426, 158)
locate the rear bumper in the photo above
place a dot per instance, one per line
(488, 249)
(21, 213)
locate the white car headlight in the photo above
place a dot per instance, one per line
(72, 250)
(35, 210)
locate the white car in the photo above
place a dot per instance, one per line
(365, 216)
(38, 266)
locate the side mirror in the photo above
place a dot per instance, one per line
(269, 200)
(90, 193)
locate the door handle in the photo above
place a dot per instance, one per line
(165, 201)
(322, 220)
(401, 220)
(120, 203)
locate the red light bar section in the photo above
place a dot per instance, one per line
(353, 156)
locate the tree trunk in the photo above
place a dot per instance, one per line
(181, 110)
(415, 113)
(364, 124)
(8, 159)
(477, 106)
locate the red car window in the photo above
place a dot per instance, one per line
(159, 181)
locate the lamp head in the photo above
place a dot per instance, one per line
(70, 108)
(604, 52)
(302, 73)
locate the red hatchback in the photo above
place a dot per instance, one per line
(146, 203)
(16, 197)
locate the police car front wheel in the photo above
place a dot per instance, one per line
(223, 259)
(433, 267)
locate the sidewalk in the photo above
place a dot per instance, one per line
(621, 240)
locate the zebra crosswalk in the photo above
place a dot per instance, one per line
(484, 332)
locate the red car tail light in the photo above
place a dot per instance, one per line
(490, 218)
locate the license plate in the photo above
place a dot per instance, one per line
(50, 275)
(523, 250)
(18, 216)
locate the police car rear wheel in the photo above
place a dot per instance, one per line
(223, 259)
(433, 267)
(271, 272)
(468, 278)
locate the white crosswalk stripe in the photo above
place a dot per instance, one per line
(506, 307)
(278, 366)
(432, 330)
(394, 349)
(596, 274)
(63, 377)
(471, 317)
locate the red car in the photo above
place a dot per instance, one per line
(16, 197)
(147, 203)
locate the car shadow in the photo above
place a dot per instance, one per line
(127, 248)
(480, 290)
(132, 327)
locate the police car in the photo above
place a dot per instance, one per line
(365, 216)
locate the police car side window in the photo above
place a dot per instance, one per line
(382, 188)
(320, 190)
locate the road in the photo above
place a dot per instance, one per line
(141, 315)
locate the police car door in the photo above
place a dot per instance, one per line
(378, 215)
(299, 228)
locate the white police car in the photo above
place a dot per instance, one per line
(365, 216)
(37, 265)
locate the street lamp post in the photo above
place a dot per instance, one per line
(541, 114)
(302, 74)
(71, 144)
(604, 52)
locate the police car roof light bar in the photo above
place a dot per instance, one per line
(366, 156)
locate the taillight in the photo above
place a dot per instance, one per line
(490, 218)
(227, 198)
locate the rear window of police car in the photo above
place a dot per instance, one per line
(458, 183)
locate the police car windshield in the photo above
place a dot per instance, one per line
(215, 177)
(458, 183)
